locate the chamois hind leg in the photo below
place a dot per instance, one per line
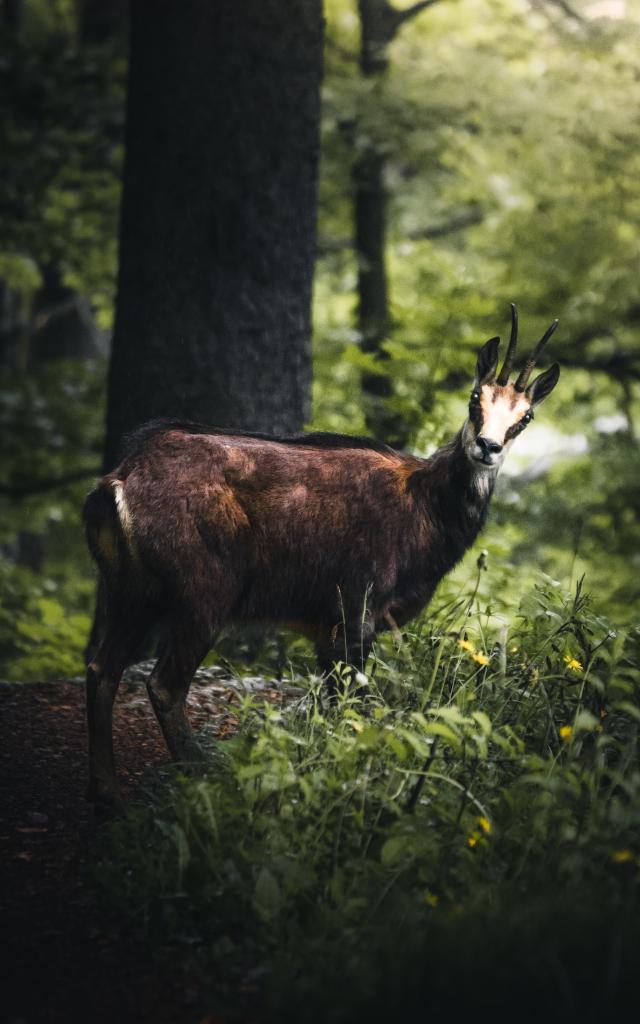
(125, 631)
(184, 646)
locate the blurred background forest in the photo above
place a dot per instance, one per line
(480, 152)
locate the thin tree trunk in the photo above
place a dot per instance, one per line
(217, 238)
(103, 21)
(13, 14)
(62, 322)
(373, 307)
(14, 334)
(369, 203)
(379, 23)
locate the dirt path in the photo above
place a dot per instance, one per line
(59, 965)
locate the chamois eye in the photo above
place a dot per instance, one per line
(475, 397)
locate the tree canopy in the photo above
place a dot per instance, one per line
(509, 146)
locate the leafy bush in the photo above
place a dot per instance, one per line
(52, 423)
(44, 624)
(488, 784)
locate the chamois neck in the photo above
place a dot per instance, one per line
(456, 490)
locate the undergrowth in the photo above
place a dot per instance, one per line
(465, 836)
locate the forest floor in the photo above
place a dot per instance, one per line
(60, 963)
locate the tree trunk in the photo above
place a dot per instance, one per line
(217, 237)
(62, 323)
(369, 203)
(14, 334)
(379, 23)
(370, 210)
(102, 22)
(13, 15)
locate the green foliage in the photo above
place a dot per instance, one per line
(518, 115)
(51, 424)
(473, 829)
(581, 517)
(490, 777)
(44, 624)
(505, 111)
(61, 117)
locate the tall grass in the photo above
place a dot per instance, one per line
(467, 834)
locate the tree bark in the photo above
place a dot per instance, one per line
(369, 203)
(217, 239)
(12, 15)
(373, 304)
(62, 323)
(379, 23)
(102, 22)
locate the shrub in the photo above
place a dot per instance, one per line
(480, 808)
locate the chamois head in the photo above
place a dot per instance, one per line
(498, 409)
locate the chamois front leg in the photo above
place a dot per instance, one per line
(349, 643)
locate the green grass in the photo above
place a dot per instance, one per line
(466, 836)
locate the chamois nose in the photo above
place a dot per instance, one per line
(488, 447)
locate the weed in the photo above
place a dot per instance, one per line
(480, 807)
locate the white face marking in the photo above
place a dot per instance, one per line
(500, 409)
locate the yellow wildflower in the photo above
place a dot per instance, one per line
(484, 824)
(467, 646)
(430, 899)
(472, 840)
(482, 659)
(621, 856)
(572, 663)
(566, 732)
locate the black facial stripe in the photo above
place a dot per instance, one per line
(475, 415)
(518, 427)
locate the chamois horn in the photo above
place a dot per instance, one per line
(503, 376)
(525, 373)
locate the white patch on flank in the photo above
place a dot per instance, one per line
(123, 510)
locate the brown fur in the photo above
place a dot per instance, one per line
(339, 538)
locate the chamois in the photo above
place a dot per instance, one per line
(336, 537)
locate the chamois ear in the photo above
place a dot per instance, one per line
(487, 361)
(543, 385)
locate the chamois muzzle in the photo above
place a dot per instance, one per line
(485, 451)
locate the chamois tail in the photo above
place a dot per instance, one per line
(107, 522)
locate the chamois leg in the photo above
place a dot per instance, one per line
(122, 639)
(182, 651)
(351, 646)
